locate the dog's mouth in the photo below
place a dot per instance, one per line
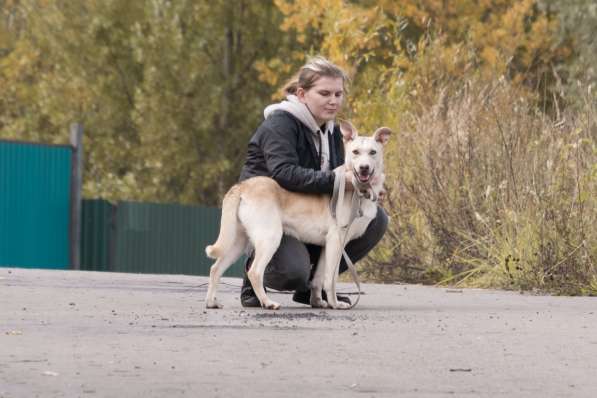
(364, 176)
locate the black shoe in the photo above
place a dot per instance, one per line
(304, 297)
(248, 298)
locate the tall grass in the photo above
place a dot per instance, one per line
(485, 190)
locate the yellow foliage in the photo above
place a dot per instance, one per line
(488, 38)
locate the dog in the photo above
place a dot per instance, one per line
(258, 211)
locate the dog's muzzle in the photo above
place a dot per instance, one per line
(363, 175)
(362, 182)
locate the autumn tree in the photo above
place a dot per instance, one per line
(576, 29)
(167, 90)
(426, 43)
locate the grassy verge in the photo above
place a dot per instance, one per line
(485, 190)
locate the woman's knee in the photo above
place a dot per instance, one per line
(358, 248)
(378, 226)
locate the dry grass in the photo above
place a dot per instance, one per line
(487, 191)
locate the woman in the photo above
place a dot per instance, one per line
(298, 145)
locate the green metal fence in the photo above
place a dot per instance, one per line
(39, 220)
(35, 199)
(149, 238)
(97, 232)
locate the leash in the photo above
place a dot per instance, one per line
(355, 208)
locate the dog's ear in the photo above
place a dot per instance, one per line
(349, 133)
(382, 135)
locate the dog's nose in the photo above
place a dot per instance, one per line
(364, 168)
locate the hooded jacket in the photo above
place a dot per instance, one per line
(285, 147)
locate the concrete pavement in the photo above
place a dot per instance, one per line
(90, 334)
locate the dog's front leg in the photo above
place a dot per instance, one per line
(333, 254)
(317, 283)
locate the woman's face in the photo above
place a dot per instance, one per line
(324, 99)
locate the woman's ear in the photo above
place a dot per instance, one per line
(300, 94)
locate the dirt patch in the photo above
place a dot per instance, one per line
(309, 316)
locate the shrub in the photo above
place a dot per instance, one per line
(486, 190)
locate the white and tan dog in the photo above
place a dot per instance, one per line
(258, 211)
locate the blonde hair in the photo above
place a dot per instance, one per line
(309, 73)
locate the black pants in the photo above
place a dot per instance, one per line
(290, 267)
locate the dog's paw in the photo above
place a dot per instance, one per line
(271, 305)
(340, 305)
(318, 303)
(213, 304)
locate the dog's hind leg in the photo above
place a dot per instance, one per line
(263, 225)
(264, 251)
(221, 265)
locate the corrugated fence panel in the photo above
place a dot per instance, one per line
(97, 231)
(34, 205)
(166, 238)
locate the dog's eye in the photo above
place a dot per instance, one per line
(372, 152)
(355, 152)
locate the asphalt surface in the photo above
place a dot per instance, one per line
(88, 334)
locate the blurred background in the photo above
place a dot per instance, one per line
(491, 172)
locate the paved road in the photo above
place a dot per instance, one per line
(86, 334)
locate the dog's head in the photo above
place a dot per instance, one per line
(364, 155)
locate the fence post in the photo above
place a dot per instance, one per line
(76, 141)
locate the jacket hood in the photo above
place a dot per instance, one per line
(299, 110)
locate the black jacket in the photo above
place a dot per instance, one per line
(283, 148)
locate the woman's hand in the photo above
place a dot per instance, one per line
(381, 196)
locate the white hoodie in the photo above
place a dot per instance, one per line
(299, 110)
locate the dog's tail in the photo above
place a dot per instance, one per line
(228, 224)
